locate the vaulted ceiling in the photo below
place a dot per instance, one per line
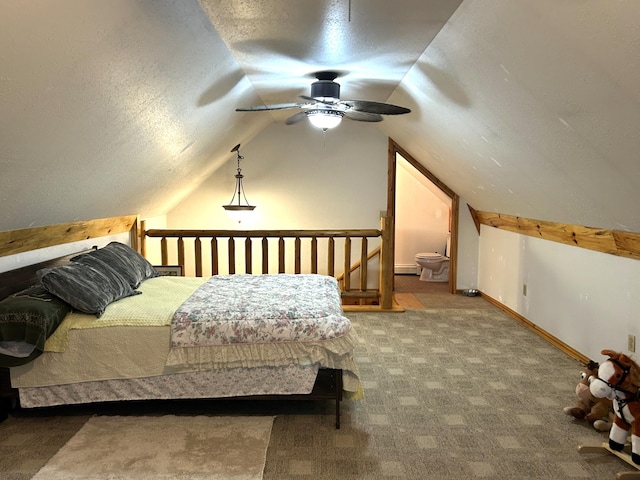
(528, 108)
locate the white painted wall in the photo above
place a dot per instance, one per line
(468, 242)
(422, 218)
(311, 181)
(299, 178)
(589, 300)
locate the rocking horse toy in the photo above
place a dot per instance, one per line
(619, 379)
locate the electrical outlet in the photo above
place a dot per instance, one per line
(524, 289)
(631, 343)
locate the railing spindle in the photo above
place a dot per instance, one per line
(265, 255)
(297, 253)
(364, 246)
(164, 253)
(214, 256)
(331, 257)
(181, 251)
(314, 254)
(281, 268)
(347, 264)
(247, 255)
(198, 252)
(232, 256)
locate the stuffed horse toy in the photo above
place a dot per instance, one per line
(597, 411)
(619, 379)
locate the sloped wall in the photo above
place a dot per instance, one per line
(299, 178)
(587, 299)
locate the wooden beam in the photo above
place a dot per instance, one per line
(613, 242)
(19, 241)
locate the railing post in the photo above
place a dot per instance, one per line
(143, 238)
(386, 269)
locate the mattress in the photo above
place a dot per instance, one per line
(221, 383)
(131, 340)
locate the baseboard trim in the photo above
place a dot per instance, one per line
(556, 342)
(405, 269)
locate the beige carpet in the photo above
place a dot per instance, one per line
(163, 448)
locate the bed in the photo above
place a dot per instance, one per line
(148, 336)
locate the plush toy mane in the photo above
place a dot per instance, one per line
(632, 382)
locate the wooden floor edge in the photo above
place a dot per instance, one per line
(556, 342)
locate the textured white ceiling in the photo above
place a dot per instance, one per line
(527, 108)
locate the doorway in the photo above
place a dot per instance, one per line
(394, 151)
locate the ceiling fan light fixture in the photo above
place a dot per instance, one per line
(325, 118)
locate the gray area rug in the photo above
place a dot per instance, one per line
(163, 448)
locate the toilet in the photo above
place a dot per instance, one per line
(432, 267)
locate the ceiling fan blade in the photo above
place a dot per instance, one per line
(376, 107)
(277, 106)
(362, 116)
(295, 118)
(315, 100)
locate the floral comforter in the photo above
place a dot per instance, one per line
(258, 309)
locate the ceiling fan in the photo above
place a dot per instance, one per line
(325, 110)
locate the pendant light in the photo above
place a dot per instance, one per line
(237, 210)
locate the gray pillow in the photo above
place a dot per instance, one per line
(124, 260)
(88, 287)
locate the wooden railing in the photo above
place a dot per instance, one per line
(296, 251)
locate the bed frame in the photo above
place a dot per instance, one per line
(328, 384)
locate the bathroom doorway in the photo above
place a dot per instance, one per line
(443, 209)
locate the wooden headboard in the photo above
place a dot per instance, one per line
(13, 242)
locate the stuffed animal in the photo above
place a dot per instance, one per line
(597, 411)
(619, 379)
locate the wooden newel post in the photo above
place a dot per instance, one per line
(386, 260)
(142, 240)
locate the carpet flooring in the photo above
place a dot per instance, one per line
(455, 389)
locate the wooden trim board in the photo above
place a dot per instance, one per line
(613, 242)
(24, 240)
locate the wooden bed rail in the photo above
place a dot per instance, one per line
(289, 246)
